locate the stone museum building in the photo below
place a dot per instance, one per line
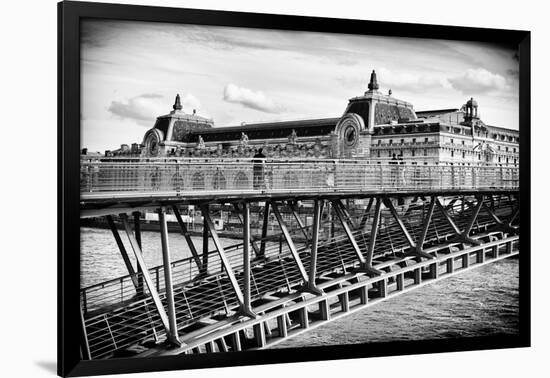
(374, 126)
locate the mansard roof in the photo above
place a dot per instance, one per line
(268, 130)
(434, 113)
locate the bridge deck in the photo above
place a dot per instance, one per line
(113, 182)
(297, 313)
(116, 318)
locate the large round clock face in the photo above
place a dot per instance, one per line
(152, 145)
(350, 135)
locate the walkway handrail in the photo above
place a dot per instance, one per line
(181, 177)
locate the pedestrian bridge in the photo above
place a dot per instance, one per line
(112, 181)
(379, 229)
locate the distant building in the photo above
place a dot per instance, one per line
(374, 126)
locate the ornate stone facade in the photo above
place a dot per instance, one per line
(374, 126)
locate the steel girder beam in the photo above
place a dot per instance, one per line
(337, 205)
(365, 263)
(299, 221)
(465, 236)
(415, 249)
(373, 234)
(240, 215)
(389, 204)
(124, 253)
(425, 227)
(246, 307)
(505, 226)
(290, 243)
(169, 287)
(188, 238)
(514, 216)
(365, 217)
(137, 232)
(346, 213)
(221, 252)
(492, 214)
(451, 204)
(148, 280)
(317, 210)
(446, 215)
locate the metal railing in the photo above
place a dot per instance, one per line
(112, 328)
(180, 177)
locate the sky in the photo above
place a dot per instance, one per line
(132, 71)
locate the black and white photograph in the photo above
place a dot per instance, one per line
(288, 189)
(247, 189)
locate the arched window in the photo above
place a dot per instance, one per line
(241, 181)
(218, 182)
(198, 181)
(155, 178)
(177, 181)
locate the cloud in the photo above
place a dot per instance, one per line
(396, 80)
(405, 81)
(479, 80)
(146, 107)
(256, 100)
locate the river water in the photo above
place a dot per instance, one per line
(483, 301)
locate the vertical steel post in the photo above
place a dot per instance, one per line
(204, 239)
(365, 217)
(317, 210)
(324, 310)
(247, 308)
(282, 326)
(166, 261)
(264, 228)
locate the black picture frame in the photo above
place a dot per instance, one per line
(69, 16)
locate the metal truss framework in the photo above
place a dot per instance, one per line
(371, 221)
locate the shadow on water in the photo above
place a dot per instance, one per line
(49, 366)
